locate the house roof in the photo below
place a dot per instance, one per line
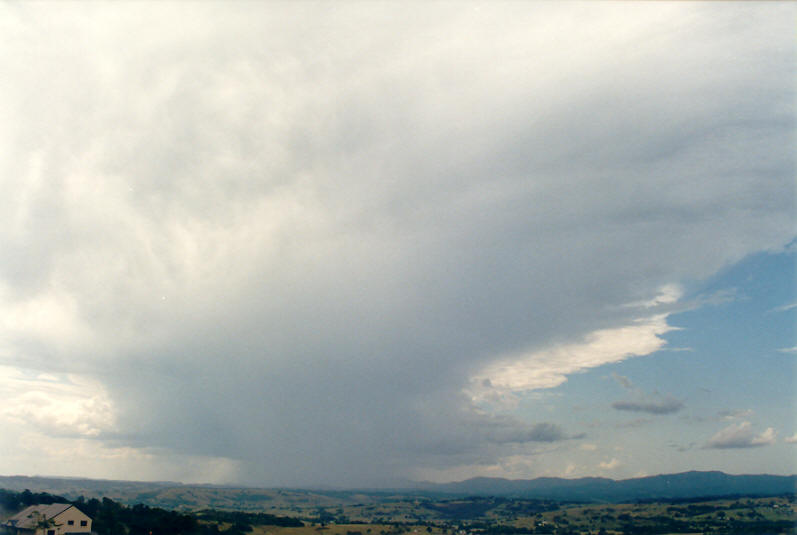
(27, 518)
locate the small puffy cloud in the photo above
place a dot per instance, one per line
(792, 350)
(741, 435)
(588, 447)
(791, 440)
(609, 465)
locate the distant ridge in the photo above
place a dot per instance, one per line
(684, 485)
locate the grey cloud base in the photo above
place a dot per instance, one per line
(664, 406)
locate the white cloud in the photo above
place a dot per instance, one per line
(791, 440)
(51, 318)
(609, 465)
(550, 368)
(667, 295)
(766, 438)
(741, 435)
(63, 424)
(55, 404)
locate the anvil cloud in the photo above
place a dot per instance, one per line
(280, 243)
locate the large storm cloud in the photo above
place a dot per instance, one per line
(292, 236)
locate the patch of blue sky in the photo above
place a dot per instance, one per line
(737, 345)
(734, 362)
(733, 344)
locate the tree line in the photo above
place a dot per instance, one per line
(110, 517)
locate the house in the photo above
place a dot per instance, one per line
(52, 519)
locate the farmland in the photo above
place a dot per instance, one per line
(511, 516)
(129, 507)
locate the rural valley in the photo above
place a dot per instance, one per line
(133, 508)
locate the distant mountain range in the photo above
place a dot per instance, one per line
(685, 485)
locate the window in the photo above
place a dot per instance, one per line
(83, 523)
(70, 522)
(50, 532)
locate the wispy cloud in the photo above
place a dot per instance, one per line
(681, 447)
(735, 414)
(785, 308)
(631, 424)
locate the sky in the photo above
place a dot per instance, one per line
(363, 243)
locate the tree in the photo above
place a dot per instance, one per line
(42, 522)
